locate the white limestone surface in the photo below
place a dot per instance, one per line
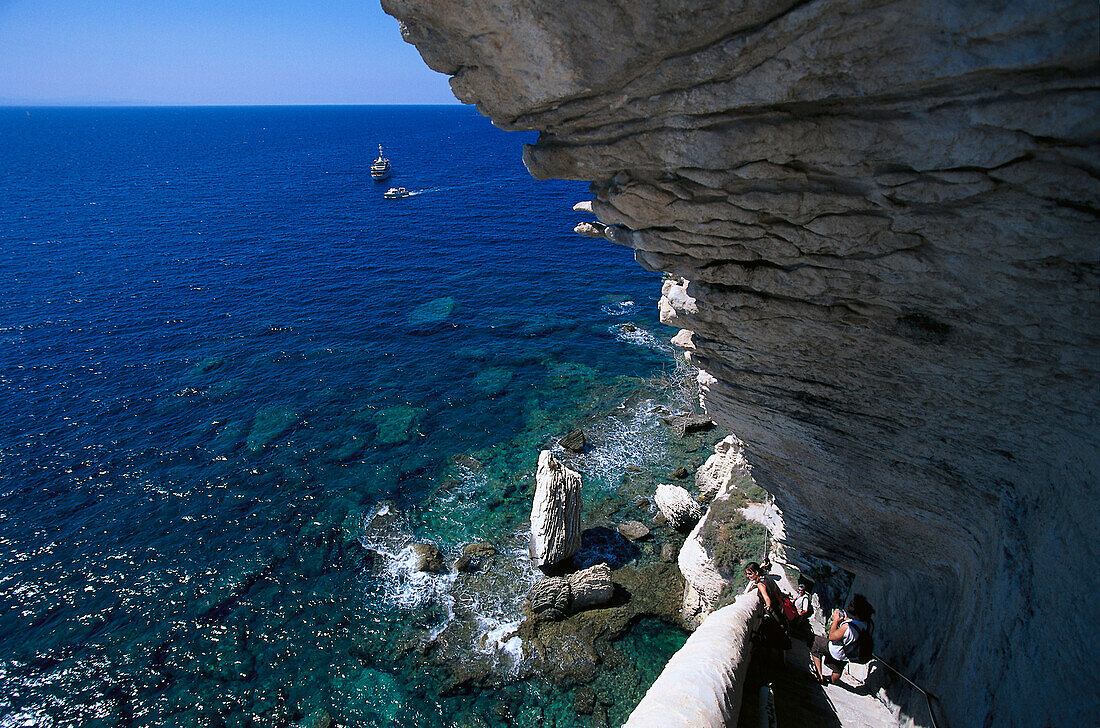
(677, 505)
(721, 469)
(555, 512)
(701, 685)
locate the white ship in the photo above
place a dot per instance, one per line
(380, 169)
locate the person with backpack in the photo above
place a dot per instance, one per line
(773, 630)
(803, 609)
(850, 638)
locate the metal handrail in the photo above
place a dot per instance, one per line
(927, 695)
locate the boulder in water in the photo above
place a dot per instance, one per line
(428, 557)
(479, 549)
(556, 597)
(474, 557)
(575, 441)
(677, 505)
(551, 598)
(591, 587)
(555, 512)
(689, 423)
(633, 530)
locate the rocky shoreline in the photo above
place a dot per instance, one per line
(879, 223)
(596, 569)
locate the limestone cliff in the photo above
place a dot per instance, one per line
(884, 214)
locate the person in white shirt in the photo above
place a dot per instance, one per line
(800, 627)
(844, 629)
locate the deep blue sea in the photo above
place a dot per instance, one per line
(223, 353)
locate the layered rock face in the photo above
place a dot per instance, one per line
(555, 512)
(882, 220)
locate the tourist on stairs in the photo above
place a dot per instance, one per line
(773, 630)
(800, 627)
(847, 637)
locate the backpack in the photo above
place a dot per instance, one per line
(861, 648)
(788, 609)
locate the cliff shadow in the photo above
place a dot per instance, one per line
(602, 545)
(799, 699)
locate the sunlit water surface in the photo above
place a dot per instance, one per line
(223, 352)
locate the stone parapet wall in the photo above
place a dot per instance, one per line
(701, 685)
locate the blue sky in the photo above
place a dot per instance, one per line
(209, 52)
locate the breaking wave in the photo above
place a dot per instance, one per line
(632, 334)
(619, 308)
(629, 439)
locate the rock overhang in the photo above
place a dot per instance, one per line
(885, 214)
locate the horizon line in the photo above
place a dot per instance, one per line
(48, 105)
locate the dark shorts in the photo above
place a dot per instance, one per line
(801, 629)
(773, 633)
(821, 649)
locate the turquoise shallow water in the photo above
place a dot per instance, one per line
(223, 350)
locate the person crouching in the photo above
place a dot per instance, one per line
(840, 643)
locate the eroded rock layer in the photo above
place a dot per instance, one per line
(884, 219)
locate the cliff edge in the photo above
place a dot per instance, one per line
(884, 219)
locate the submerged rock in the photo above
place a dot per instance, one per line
(428, 557)
(395, 424)
(584, 700)
(494, 380)
(678, 506)
(432, 312)
(555, 512)
(575, 441)
(320, 719)
(270, 423)
(633, 530)
(668, 553)
(601, 545)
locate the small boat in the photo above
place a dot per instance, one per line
(395, 193)
(380, 168)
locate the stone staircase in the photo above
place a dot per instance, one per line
(800, 702)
